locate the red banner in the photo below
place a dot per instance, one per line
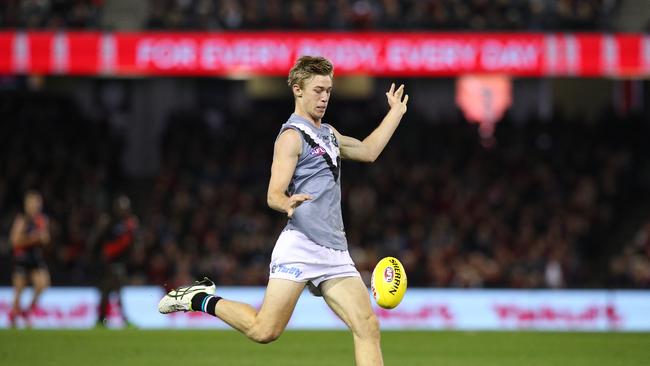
(376, 54)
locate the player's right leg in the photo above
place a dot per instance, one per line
(19, 282)
(287, 281)
(267, 324)
(263, 326)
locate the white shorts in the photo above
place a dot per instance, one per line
(297, 258)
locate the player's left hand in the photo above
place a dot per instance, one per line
(295, 201)
(395, 100)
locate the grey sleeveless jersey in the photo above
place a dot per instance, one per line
(317, 174)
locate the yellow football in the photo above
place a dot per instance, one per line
(388, 282)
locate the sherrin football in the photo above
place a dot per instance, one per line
(388, 282)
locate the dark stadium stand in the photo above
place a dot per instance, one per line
(536, 211)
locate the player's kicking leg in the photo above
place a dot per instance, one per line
(261, 326)
(348, 297)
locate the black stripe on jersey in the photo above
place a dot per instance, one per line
(335, 169)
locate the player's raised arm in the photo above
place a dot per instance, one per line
(285, 157)
(369, 149)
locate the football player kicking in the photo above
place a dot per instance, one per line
(312, 250)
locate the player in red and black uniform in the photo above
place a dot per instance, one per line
(29, 234)
(118, 236)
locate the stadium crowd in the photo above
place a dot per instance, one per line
(382, 14)
(323, 14)
(51, 14)
(632, 265)
(536, 211)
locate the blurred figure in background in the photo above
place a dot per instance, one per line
(116, 235)
(29, 234)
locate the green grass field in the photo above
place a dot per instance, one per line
(315, 348)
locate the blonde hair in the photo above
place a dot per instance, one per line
(308, 66)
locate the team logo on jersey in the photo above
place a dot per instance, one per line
(317, 151)
(329, 151)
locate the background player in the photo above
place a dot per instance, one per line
(312, 250)
(29, 234)
(116, 233)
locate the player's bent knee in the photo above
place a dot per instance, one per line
(265, 338)
(264, 335)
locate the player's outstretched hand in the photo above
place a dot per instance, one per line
(295, 201)
(395, 98)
